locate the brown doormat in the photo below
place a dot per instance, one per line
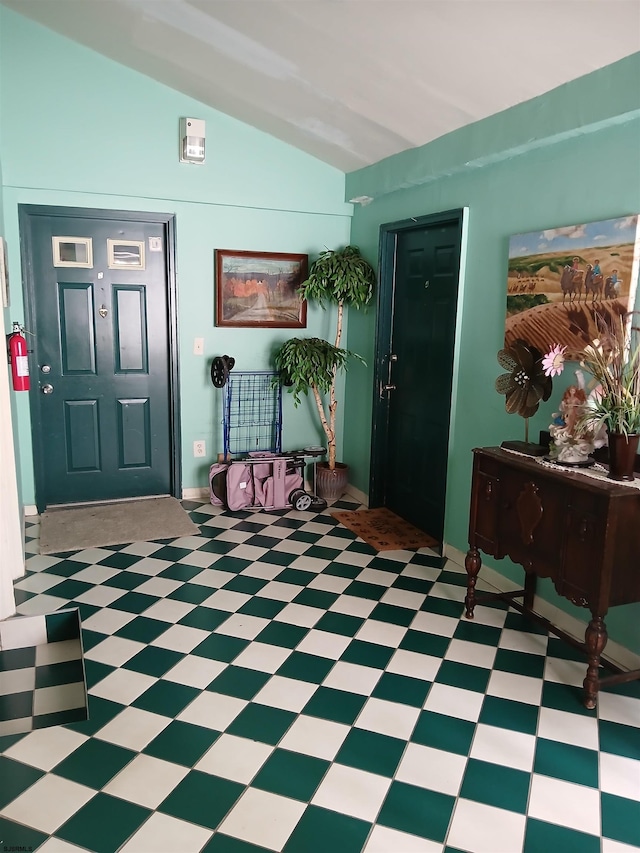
(384, 530)
(117, 523)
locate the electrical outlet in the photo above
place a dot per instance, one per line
(199, 448)
(198, 346)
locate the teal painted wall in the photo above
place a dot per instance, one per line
(80, 130)
(571, 156)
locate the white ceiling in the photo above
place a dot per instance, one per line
(352, 81)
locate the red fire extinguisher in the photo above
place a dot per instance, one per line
(19, 359)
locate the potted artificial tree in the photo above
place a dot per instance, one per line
(340, 277)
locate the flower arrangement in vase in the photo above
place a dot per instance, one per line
(613, 401)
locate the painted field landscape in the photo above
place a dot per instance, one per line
(560, 278)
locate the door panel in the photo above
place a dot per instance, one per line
(411, 420)
(102, 343)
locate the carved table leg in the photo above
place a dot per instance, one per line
(530, 579)
(595, 640)
(472, 564)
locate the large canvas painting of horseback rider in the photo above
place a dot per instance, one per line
(560, 279)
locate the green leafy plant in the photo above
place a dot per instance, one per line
(339, 277)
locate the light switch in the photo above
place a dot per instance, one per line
(198, 346)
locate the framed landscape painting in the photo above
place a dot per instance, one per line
(560, 279)
(260, 289)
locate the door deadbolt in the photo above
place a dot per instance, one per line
(47, 389)
(46, 368)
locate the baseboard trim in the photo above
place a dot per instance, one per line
(614, 652)
(29, 509)
(195, 494)
(361, 497)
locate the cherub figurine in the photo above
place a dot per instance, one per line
(573, 440)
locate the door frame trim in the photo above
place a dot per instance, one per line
(384, 325)
(26, 212)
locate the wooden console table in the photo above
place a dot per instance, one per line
(581, 532)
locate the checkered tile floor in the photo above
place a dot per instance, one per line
(275, 685)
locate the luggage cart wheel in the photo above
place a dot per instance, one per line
(220, 367)
(299, 499)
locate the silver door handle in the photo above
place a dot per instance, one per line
(47, 389)
(388, 387)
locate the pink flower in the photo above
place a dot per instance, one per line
(553, 361)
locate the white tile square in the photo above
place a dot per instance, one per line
(263, 657)
(133, 728)
(414, 665)
(180, 638)
(564, 671)
(213, 578)
(91, 555)
(212, 710)
(381, 633)
(61, 697)
(262, 818)
(329, 583)
(162, 832)
(473, 654)
(280, 591)
(433, 769)
(523, 641)
(235, 758)
(491, 616)
(57, 845)
(49, 803)
(619, 709)
(200, 559)
(574, 729)
(123, 686)
(403, 598)
(415, 570)
(114, 651)
(385, 840)
(242, 625)
(19, 633)
(434, 623)
(354, 558)
(264, 571)
(324, 644)
(101, 596)
(504, 747)
(108, 621)
(18, 681)
(40, 562)
(520, 688)
(299, 614)
(388, 718)
(161, 587)
(249, 552)
(39, 582)
(611, 846)
(59, 652)
(195, 671)
(168, 610)
(310, 564)
(44, 748)
(226, 599)
(286, 693)
(565, 804)
(150, 566)
(352, 605)
(620, 776)
(377, 577)
(478, 828)
(353, 792)
(353, 678)
(313, 736)
(448, 591)
(454, 702)
(146, 781)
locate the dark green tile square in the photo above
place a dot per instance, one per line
(136, 602)
(508, 714)
(16, 706)
(103, 824)
(278, 558)
(358, 547)
(240, 682)
(439, 731)
(541, 836)
(180, 572)
(372, 752)
(402, 689)
(69, 589)
(320, 830)
(245, 584)
(166, 698)
(340, 623)
(59, 718)
(91, 639)
(620, 819)
(54, 674)
(417, 811)
(282, 634)
(500, 787)
(260, 541)
(17, 658)
(519, 663)
(367, 654)
(291, 774)
(392, 614)
(192, 593)
(15, 836)
(337, 705)
(142, 629)
(202, 799)
(216, 546)
(220, 647)
(304, 536)
(305, 667)
(619, 739)
(393, 567)
(519, 622)
(564, 697)
(205, 617)
(454, 578)
(220, 843)
(316, 598)
(126, 580)
(119, 560)
(15, 778)
(62, 626)
(298, 577)
(411, 584)
(267, 608)
(101, 711)
(568, 762)
(342, 570)
(320, 552)
(462, 675)
(361, 589)
(153, 660)
(443, 607)
(94, 763)
(67, 568)
(233, 565)
(425, 644)
(474, 632)
(182, 743)
(171, 553)
(262, 723)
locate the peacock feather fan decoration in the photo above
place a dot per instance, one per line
(525, 385)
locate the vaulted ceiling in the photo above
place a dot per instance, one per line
(352, 81)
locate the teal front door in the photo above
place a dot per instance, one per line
(98, 300)
(414, 368)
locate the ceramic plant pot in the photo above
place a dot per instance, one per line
(622, 455)
(331, 484)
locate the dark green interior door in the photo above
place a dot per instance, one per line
(100, 385)
(418, 365)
